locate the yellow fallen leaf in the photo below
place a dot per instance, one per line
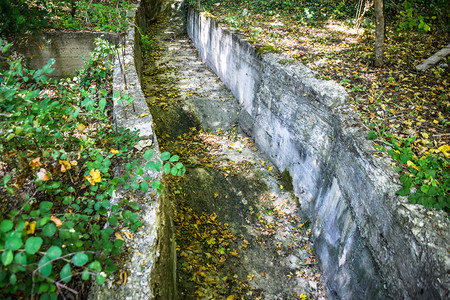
(114, 151)
(128, 235)
(118, 236)
(231, 297)
(270, 168)
(65, 165)
(281, 187)
(445, 149)
(55, 220)
(35, 163)
(144, 115)
(140, 254)
(94, 176)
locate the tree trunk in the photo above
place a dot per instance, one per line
(379, 32)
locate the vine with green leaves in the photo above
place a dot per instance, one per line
(58, 222)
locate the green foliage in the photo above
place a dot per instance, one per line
(81, 15)
(18, 18)
(425, 179)
(57, 152)
(410, 19)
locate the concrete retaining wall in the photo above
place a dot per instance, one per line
(69, 49)
(150, 257)
(371, 243)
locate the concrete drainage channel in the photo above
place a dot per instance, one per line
(239, 228)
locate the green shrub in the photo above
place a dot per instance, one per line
(57, 151)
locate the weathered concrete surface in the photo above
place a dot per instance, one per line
(69, 49)
(150, 255)
(247, 196)
(372, 244)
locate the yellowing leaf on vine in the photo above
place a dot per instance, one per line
(114, 151)
(93, 177)
(65, 165)
(35, 163)
(30, 227)
(55, 220)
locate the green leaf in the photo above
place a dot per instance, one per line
(135, 185)
(54, 252)
(66, 273)
(179, 165)
(33, 244)
(80, 259)
(404, 191)
(20, 258)
(100, 279)
(372, 135)
(148, 154)
(144, 186)
(45, 206)
(174, 158)
(85, 275)
(112, 220)
(156, 184)
(166, 168)
(106, 203)
(165, 156)
(6, 225)
(14, 242)
(174, 171)
(49, 229)
(102, 104)
(95, 265)
(13, 279)
(7, 257)
(45, 266)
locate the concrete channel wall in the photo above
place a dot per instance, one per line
(371, 243)
(149, 256)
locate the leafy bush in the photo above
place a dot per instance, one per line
(58, 222)
(425, 179)
(18, 18)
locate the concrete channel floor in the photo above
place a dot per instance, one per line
(240, 233)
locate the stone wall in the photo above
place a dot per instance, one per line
(371, 243)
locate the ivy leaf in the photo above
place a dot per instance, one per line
(6, 225)
(100, 279)
(45, 206)
(33, 244)
(66, 273)
(102, 104)
(14, 243)
(45, 266)
(144, 186)
(95, 265)
(165, 156)
(174, 158)
(80, 259)
(85, 275)
(49, 230)
(166, 168)
(7, 257)
(20, 258)
(54, 252)
(148, 154)
(372, 135)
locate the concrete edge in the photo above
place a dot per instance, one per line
(148, 254)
